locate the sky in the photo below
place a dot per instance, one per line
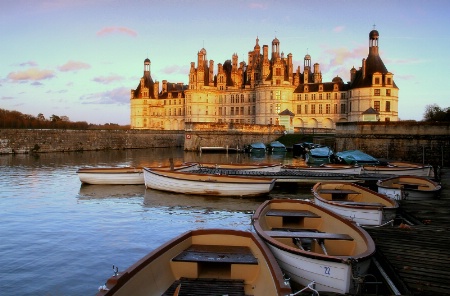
(81, 58)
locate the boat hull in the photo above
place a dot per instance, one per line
(357, 203)
(111, 176)
(409, 188)
(423, 171)
(207, 184)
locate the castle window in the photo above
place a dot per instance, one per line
(232, 111)
(377, 80)
(327, 108)
(313, 97)
(342, 108)
(388, 81)
(278, 72)
(306, 109)
(376, 92)
(343, 96)
(320, 96)
(320, 109)
(328, 96)
(278, 82)
(278, 108)
(306, 97)
(335, 111)
(242, 110)
(388, 92)
(376, 105)
(299, 109)
(313, 109)
(388, 106)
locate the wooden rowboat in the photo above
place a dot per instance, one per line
(256, 167)
(203, 262)
(111, 175)
(206, 184)
(311, 243)
(328, 168)
(409, 188)
(120, 175)
(400, 168)
(355, 202)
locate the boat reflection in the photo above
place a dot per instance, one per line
(156, 198)
(110, 191)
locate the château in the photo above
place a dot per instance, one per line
(266, 90)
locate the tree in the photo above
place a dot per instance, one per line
(434, 113)
(55, 118)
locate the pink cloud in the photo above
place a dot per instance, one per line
(107, 79)
(121, 30)
(31, 74)
(338, 29)
(73, 66)
(29, 63)
(118, 96)
(256, 5)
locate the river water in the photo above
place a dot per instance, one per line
(61, 238)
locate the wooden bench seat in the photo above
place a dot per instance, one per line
(308, 234)
(338, 191)
(292, 213)
(217, 254)
(205, 286)
(359, 203)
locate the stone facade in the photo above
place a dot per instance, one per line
(266, 90)
(25, 141)
(418, 142)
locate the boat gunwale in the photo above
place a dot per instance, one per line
(342, 259)
(394, 204)
(135, 268)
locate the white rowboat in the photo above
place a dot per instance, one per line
(401, 169)
(311, 243)
(206, 184)
(357, 203)
(409, 188)
(328, 168)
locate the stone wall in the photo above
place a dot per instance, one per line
(228, 135)
(409, 141)
(35, 140)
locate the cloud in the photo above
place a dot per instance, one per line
(31, 74)
(73, 66)
(175, 69)
(338, 29)
(256, 5)
(107, 79)
(120, 30)
(6, 98)
(341, 56)
(118, 96)
(28, 64)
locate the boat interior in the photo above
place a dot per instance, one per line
(312, 231)
(204, 265)
(349, 194)
(410, 183)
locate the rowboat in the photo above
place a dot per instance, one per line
(312, 243)
(355, 202)
(206, 184)
(111, 175)
(277, 146)
(319, 155)
(356, 157)
(401, 168)
(120, 175)
(409, 188)
(256, 167)
(203, 262)
(328, 168)
(257, 147)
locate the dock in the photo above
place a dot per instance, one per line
(415, 253)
